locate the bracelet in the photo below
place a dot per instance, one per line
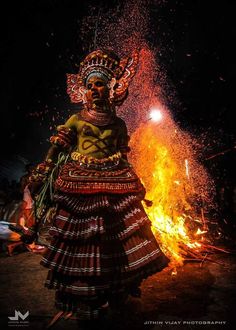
(64, 138)
(41, 172)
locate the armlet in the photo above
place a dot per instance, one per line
(65, 137)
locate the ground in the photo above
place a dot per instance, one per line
(198, 293)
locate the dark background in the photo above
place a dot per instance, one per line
(43, 43)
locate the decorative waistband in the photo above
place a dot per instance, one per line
(87, 160)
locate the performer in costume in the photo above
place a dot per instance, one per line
(102, 245)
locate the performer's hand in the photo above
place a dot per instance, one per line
(39, 176)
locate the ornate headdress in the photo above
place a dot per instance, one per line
(118, 73)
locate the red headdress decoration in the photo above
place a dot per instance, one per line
(117, 72)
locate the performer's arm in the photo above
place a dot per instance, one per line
(61, 142)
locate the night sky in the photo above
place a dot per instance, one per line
(43, 43)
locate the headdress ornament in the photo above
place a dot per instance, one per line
(107, 65)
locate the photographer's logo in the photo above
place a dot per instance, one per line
(19, 319)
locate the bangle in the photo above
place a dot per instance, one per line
(41, 172)
(65, 137)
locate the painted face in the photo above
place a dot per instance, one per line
(97, 90)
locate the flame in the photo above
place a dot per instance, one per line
(163, 166)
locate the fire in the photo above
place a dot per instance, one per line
(162, 157)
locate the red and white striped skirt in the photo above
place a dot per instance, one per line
(102, 245)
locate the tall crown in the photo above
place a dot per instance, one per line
(108, 64)
(100, 61)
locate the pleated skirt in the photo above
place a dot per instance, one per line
(99, 251)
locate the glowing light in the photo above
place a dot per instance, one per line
(155, 115)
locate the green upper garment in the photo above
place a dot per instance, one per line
(96, 141)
